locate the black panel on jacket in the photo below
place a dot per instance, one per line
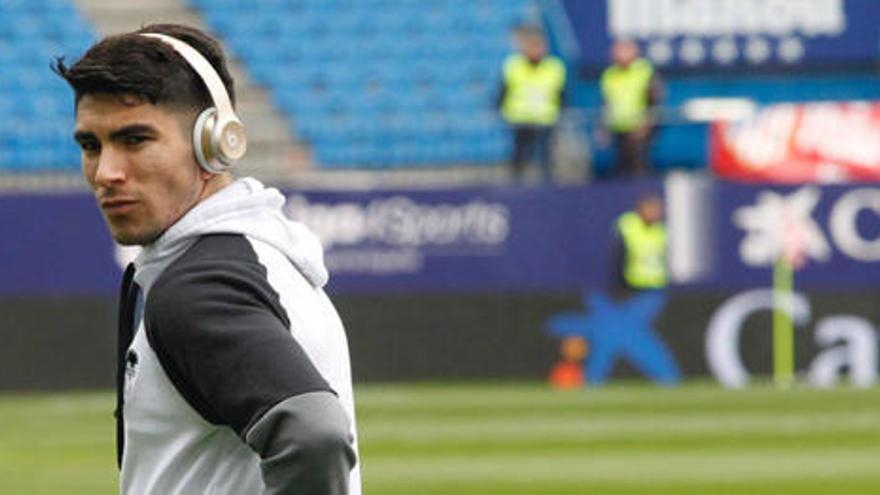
(128, 294)
(223, 337)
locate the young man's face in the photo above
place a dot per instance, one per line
(138, 160)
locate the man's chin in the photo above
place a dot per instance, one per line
(124, 241)
(126, 238)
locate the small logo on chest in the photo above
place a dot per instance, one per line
(131, 369)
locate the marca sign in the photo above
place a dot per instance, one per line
(847, 343)
(729, 33)
(644, 18)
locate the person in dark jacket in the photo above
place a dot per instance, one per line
(233, 367)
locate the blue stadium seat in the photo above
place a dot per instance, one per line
(37, 105)
(377, 82)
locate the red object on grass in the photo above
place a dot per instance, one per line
(567, 375)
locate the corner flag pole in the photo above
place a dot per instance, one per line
(783, 327)
(792, 256)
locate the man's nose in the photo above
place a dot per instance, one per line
(111, 167)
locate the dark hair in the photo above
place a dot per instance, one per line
(148, 68)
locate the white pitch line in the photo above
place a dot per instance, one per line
(635, 467)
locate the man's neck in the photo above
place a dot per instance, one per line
(214, 184)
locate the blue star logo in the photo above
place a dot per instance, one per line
(620, 330)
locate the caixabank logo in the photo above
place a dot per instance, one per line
(730, 337)
(835, 228)
(845, 343)
(850, 226)
(617, 330)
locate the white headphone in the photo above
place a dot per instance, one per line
(219, 140)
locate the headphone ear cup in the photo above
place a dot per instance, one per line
(205, 154)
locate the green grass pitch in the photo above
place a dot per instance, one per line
(507, 439)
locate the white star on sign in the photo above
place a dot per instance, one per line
(775, 221)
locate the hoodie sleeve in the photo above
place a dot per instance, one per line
(223, 338)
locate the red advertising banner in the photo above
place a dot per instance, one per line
(798, 143)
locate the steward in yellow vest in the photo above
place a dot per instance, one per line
(630, 91)
(642, 252)
(533, 90)
(625, 91)
(531, 99)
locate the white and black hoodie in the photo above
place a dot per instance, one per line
(234, 374)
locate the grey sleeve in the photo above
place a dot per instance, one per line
(305, 446)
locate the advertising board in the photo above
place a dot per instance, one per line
(477, 240)
(838, 227)
(734, 34)
(813, 142)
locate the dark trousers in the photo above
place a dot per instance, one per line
(528, 141)
(632, 153)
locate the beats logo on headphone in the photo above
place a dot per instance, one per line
(219, 140)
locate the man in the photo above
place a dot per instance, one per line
(631, 92)
(530, 100)
(234, 374)
(640, 247)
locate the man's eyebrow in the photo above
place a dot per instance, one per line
(130, 130)
(80, 136)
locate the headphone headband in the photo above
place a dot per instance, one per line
(205, 71)
(218, 142)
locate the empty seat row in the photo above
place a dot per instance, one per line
(35, 134)
(387, 47)
(412, 153)
(378, 82)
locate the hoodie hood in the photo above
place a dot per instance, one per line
(244, 207)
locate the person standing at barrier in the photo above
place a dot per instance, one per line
(531, 98)
(233, 372)
(631, 92)
(640, 246)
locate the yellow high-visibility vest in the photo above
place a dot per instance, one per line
(625, 91)
(533, 90)
(644, 265)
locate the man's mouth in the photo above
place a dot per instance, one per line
(117, 206)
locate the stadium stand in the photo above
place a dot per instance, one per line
(272, 156)
(36, 105)
(373, 84)
(378, 83)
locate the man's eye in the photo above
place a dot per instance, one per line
(132, 141)
(89, 146)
